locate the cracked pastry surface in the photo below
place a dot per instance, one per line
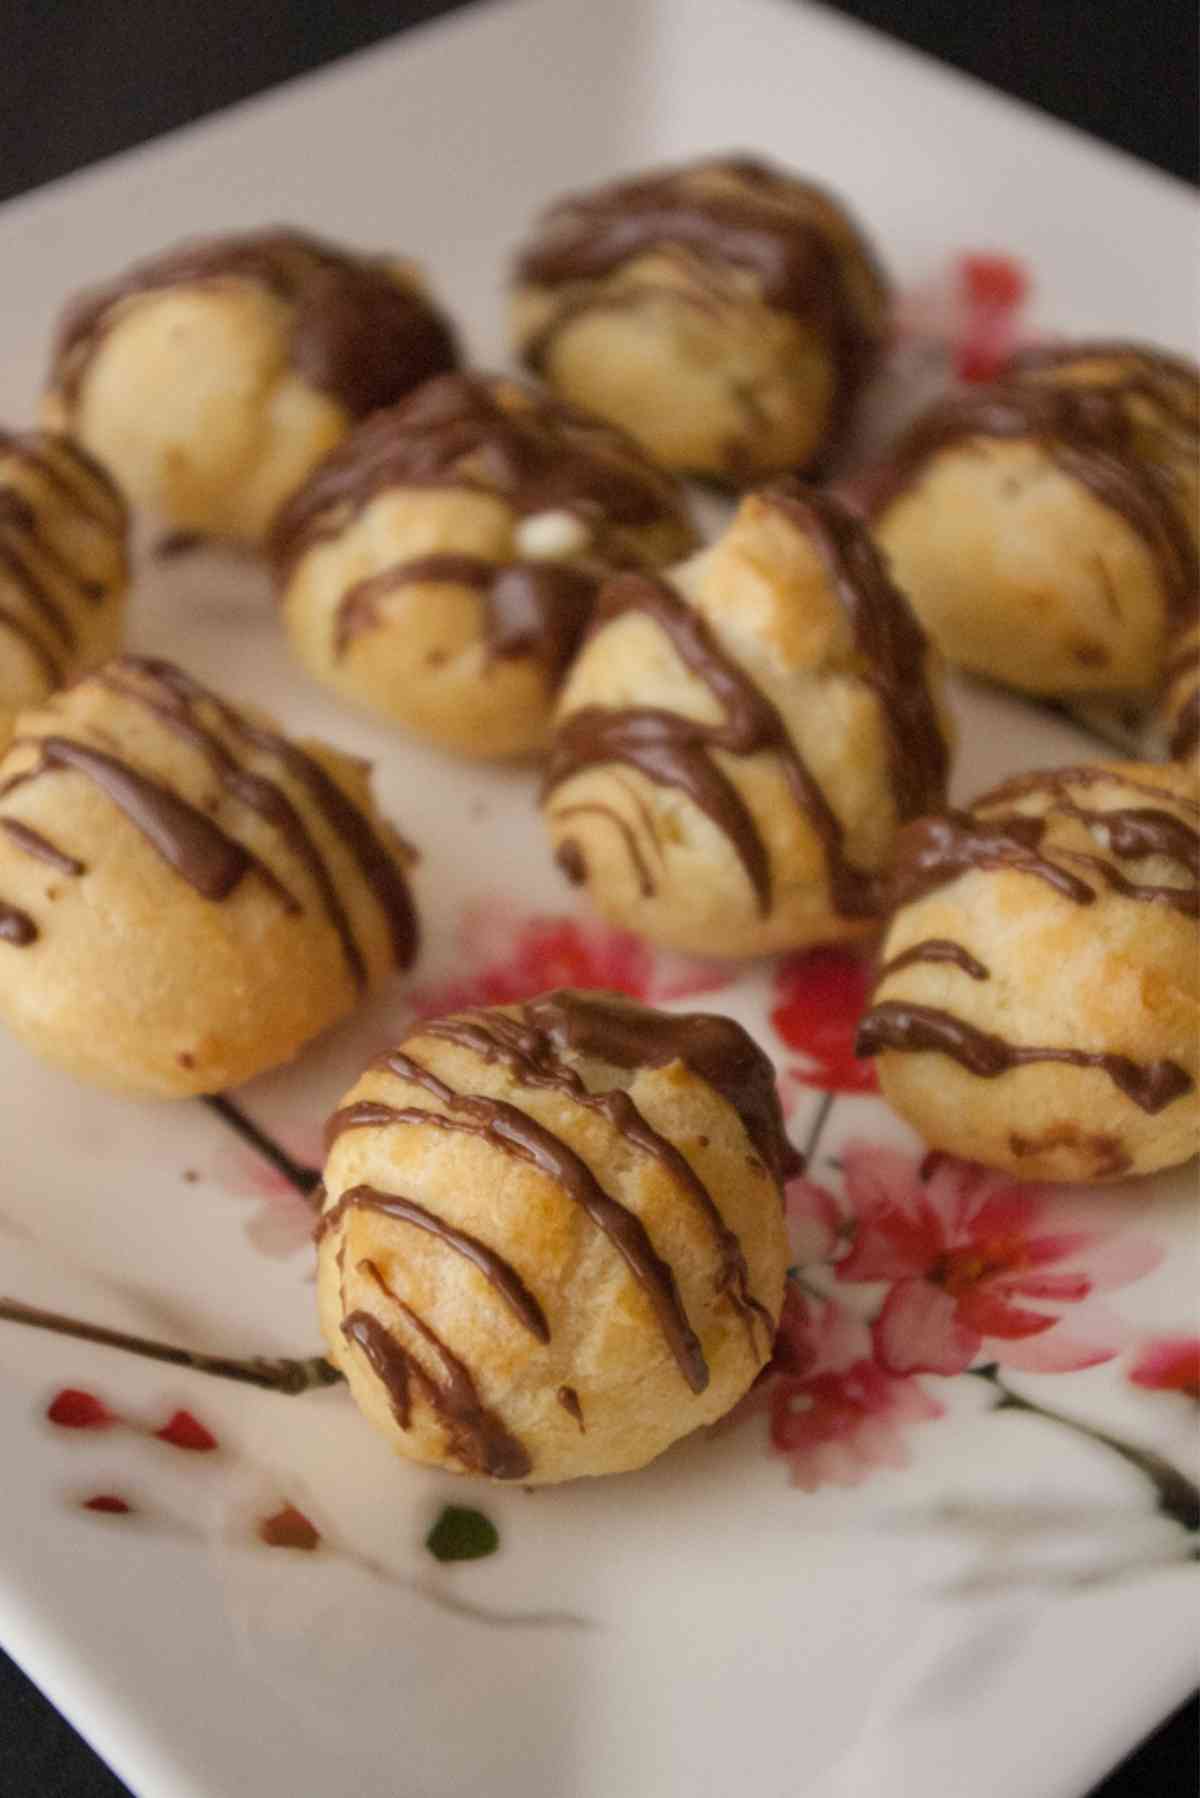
(726, 313)
(186, 895)
(553, 1239)
(441, 565)
(1038, 1003)
(63, 567)
(737, 745)
(213, 376)
(1044, 528)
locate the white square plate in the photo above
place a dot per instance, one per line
(998, 1609)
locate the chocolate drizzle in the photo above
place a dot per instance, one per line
(477, 1437)
(887, 635)
(630, 1036)
(16, 927)
(41, 848)
(355, 333)
(674, 750)
(514, 1132)
(207, 857)
(199, 851)
(933, 851)
(894, 1024)
(174, 697)
(774, 227)
(529, 608)
(36, 579)
(499, 1273)
(1088, 433)
(570, 857)
(538, 455)
(568, 1398)
(934, 949)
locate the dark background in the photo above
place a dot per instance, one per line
(78, 81)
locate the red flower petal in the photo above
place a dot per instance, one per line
(919, 1330)
(997, 281)
(1169, 1364)
(1063, 1289)
(820, 997)
(73, 1409)
(182, 1430)
(987, 1314)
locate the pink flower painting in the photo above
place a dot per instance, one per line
(502, 956)
(819, 999)
(978, 1266)
(1169, 1364)
(835, 1413)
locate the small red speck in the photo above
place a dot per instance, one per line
(994, 281)
(289, 1528)
(72, 1409)
(182, 1430)
(109, 1503)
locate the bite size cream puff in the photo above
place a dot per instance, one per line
(63, 567)
(1038, 1004)
(187, 896)
(726, 313)
(212, 377)
(552, 1241)
(740, 741)
(1044, 527)
(441, 565)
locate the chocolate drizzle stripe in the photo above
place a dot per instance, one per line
(622, 826)
(540, 456)
(514, 1132)
(568, 1398)
(344, 818)
(1087, 774)
(16, 927)
(773, 227)
(672, 750)
(261, 796)
(355, 333)
(476, 1435)
(714, 1048)
(88, 486)
(529, 608)
(200, 852)
(887, 635)
(499, 1273)
(41, 848)
(34, 590)
(933, 851)
(51, 668)
(895, 1025)
(1088, 433)
(934, 949)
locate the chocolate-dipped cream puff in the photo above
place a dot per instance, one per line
(1038, 1004)
(186, 895)
(1044, 527)
(737, 745)
(212, 377)
(726, 313)
(553, 1240)
(63, 567)
(441, 565)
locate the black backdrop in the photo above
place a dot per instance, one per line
(78, 81)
